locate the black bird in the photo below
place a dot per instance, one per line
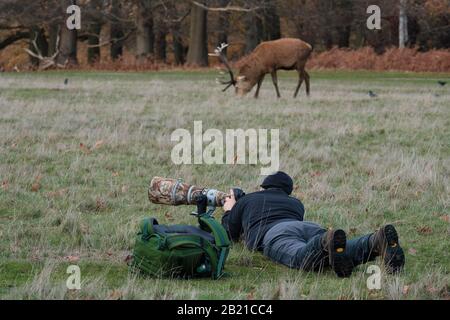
(372, 94)
(66, 81)
(442, 83)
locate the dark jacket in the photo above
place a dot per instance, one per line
(254, 214)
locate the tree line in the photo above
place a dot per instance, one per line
(186, 30)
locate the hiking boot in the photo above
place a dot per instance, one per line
(334, 242)
(384, 242)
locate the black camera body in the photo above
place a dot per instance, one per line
(206, 204)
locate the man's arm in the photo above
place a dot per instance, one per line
(232, 218)
(301, 209)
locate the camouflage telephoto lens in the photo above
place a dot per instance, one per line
(175, 192)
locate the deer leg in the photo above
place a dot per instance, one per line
(306, 75)
(275, 82)
(258, 87)
(300, 81)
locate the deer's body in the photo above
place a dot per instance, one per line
(270, 56)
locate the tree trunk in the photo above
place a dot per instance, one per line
(272, 30)
(116, 32)
(93, 53)
(328, 41)
(178, 49)
(68, 40)
(19, 35)
(67, 46)
(144, 34)
(344, 36)
(161, 45)
(53, 32)
(224, 25)
(37, 35)
(252, 36)
(402, 25)
(198, 41)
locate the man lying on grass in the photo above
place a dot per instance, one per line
(271, 221)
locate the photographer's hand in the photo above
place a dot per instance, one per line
(229, 202)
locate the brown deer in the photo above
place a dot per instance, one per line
(268, 57)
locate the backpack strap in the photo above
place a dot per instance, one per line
(147, 227)
(176, 241)
(221, 239)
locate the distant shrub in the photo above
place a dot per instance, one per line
(394, 59)
(408, 59)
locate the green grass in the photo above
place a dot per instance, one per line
(357, 162)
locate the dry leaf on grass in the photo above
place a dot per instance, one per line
(425, 230)
(432, 290)
(405, 290)
(412, 251)
(315, 174)
(57, 193)
(115, 295)
(5, 185)
(445, 218)
(84, 228)
(84, 148)
(98, 144)
(169, 216)
(72, 258)
(100, 204)
(37, 183)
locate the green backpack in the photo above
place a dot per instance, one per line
(186, 255)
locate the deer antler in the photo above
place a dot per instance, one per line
(218, 52)
(38, 54)
(45, 62)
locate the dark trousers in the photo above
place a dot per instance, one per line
(297, 244)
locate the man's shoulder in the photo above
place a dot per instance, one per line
(270, 192)
(296, 200)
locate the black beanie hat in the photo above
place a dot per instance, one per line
(279, 180)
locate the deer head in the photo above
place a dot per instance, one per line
(218, 52)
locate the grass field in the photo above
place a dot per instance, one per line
(75, 162)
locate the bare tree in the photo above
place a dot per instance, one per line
(144, 32)
(94, 16)
(68, 42)
(12, 38)
(224, 25)
(116, 30)
(402, 24)
(173, 15)
(198, 38)
(271, 21)
(160, 30)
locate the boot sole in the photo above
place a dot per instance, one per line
(339, 261)
(394, 257)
